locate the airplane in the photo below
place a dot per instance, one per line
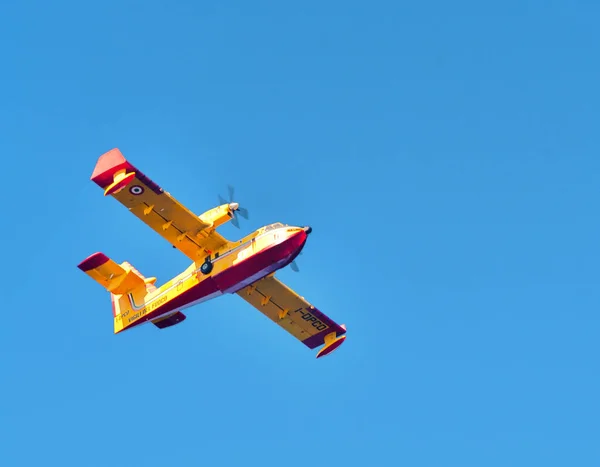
(219, 266)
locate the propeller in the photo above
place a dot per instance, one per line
(235, 207)
(294, 265)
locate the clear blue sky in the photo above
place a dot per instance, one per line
(446, 155)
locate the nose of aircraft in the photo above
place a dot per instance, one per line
(308, 229)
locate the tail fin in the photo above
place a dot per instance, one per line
(112, 276)
(127, 286)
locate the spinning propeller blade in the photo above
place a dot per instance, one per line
(235, 207)
(294, 265)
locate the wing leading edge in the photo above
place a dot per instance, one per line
(155, 207)
(294, 314)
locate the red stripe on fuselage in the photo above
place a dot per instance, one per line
(233, 279)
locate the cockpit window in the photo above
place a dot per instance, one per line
(276, 225)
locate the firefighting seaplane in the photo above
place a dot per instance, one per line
(245, 267)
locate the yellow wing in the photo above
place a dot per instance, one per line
(294, 314)
(155, 207)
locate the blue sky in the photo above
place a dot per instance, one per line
(446, 155)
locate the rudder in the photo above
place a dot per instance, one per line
(122, 281)
(128, 290)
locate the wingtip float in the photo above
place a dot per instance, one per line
(219, 266)
(331, 343)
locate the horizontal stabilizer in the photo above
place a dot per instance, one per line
(170, 320)
(110, 275)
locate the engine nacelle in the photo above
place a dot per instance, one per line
(219, 215)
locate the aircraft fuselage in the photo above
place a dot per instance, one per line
(249, 261)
